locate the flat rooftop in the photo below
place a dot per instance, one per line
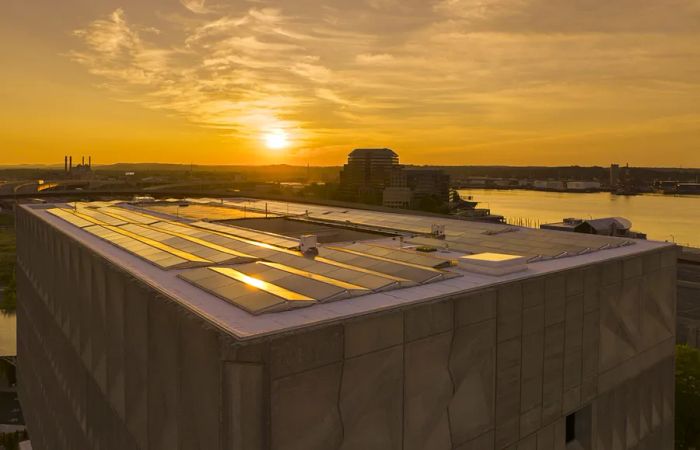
(223, 263)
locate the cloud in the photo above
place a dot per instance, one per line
(374, 58)
(196, 6)
(380, 67)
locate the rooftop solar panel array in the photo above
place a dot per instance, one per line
(461, 235)
(258, 272)
(263, 272)
(530, 243)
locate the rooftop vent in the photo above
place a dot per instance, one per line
(496, 264)
(438, 231)
(308, 243)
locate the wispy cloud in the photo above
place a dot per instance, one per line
(196, 6)
(381, 67)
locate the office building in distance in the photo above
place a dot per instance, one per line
(142, 329)
(375, 176)
(367, 173)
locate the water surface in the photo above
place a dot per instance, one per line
(8, 335)
(661, 217)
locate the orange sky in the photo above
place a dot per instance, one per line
(512, 82)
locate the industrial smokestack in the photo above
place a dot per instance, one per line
(90, 162)
(82, 161)
(65, 164)
(70, 163)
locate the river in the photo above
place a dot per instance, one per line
(8, 335)
(661, 217)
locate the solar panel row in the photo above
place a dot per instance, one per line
(267, 238)
(282, 278)
(159, 257)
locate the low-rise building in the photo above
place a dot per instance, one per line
(141, 330)
(549, 185)
(583, 186)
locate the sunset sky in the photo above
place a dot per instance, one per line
(512, 82)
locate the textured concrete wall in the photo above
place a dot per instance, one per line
(107, 363)
(497, 369)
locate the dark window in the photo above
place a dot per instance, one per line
(570, 428)
(578, 429)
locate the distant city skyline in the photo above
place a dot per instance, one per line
(443, 82)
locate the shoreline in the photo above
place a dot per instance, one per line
(565, 191)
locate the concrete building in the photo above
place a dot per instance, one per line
(139, 330)
(688, 317)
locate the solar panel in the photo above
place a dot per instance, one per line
(199, 248)
(314, 288)
(69, 217)
(316, 276)
(246, 246)
(179, 252)
(129, 216)
(396, 254)
(251, 294)
(203, 211)
(101, 218)
(268, 238)
(157, 256)
(354, 275)
(209, 240)
(407, 274)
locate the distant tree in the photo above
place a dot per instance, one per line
(687, 397)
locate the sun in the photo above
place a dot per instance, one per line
(276, 139)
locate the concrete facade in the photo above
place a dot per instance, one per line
(109, 362)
